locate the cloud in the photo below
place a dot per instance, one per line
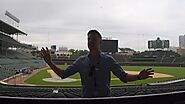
(127, 20)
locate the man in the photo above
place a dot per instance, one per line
(95, 69)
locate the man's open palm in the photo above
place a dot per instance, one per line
(46, 55)
(146, 73)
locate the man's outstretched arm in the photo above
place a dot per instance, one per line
(47, 58)
(144, 74)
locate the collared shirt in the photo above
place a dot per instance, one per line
(97, 84)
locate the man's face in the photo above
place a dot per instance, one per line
(94, 42)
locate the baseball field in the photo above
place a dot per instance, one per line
(48, 77)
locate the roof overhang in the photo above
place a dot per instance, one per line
(8, 29)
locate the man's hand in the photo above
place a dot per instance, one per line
(146, 73)
(46, 55)
(47, 58)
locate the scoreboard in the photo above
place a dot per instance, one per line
(158, 44)
(109, 46)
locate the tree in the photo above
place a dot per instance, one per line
(71, 50)
(78, 53)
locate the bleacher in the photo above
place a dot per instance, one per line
(121, 58)
(13, 60)
(180, 59)
(13, 56)
(10, 66)
(156, 56)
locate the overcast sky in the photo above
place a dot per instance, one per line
(66, 22)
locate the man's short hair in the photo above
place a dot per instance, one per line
(94, 32)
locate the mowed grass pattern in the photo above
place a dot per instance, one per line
(177, 72)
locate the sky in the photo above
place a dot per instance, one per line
(65, 23)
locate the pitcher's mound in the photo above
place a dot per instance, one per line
(59, 80)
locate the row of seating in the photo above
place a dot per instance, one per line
(75, 92)
(9, 67)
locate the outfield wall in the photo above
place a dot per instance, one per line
(151, 64)
(69, 62)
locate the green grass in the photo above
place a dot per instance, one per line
(177, 72)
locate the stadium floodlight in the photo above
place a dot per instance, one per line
(12, 16)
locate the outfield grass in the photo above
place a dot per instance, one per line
(177, 72)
